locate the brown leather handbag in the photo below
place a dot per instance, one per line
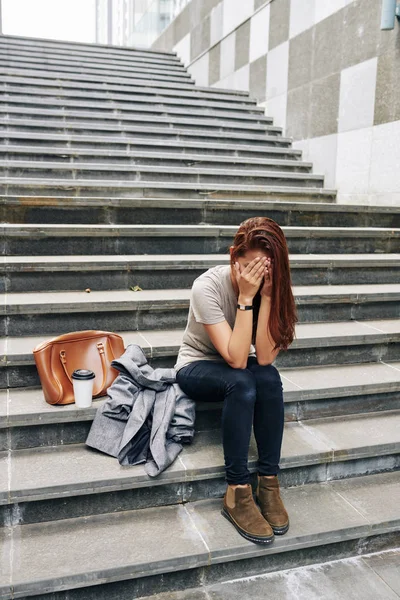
(58, 358)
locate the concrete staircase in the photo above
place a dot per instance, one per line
(117, 171)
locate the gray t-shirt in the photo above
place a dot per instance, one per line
(213, 300)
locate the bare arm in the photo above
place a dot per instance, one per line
(264, 343)
(234, 345)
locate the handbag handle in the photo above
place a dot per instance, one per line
(100, 348)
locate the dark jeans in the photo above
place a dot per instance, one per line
(251, 396)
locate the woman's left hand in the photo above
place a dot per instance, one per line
(266, 288)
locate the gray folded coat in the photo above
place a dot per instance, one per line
(146, 417)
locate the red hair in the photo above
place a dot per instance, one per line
(261, 233)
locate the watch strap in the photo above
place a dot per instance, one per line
(245, 306)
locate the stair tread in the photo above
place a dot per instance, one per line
(152, 142)
(26, 41)
(196, 230)
(15, 51)
(53, 73)
(68, 116)
(107, 183)
(73, 55)
(302, 293)
(14, 90)
(28, 407)
(118, 121)
(105, 547)
(184, 261)
(77, 56)
(200, 203)
(181, 296)
(37, 56)
(75, 65)
(86, 471)
(368, 576)
(176, 129)
(162, 342)
(187, 157)
(109, 72)
(131, 168)
(64, 79)
(42, 79)
(108, 106)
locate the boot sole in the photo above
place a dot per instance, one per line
(248, 536)
(280, 530)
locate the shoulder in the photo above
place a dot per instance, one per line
(212, 280)
(207, 297)
(209, 291)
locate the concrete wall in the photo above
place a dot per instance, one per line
(324, 71)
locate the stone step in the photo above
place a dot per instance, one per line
(191, 543)
(164, 189)
(75, 68)
(320, 450)
(311, 392)
(76, 58)
(48, 313)
(316, 346)
(150, 272)
(61, 80)
(77, 239)
(133, 106)
(31, 59)
(112, 173)
(134, 102)
(15, 88)
(134, 157)
(269, 147)
(16, 114)
(188, 211)
(190, 128)
(371, 576)
(101, 50)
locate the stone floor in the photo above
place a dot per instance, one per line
(372, 577)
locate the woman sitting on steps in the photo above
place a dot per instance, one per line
(232, 307)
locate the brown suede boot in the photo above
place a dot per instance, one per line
(272, 508)
(241, 510)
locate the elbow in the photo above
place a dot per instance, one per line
(264, 362)
(237, 365)
(267, 358)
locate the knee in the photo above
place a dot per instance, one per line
(268, 376)
(243, 386)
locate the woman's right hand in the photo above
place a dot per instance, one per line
(249, 279)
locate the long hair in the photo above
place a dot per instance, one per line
(261, 233)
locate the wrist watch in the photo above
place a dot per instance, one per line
(245, 306)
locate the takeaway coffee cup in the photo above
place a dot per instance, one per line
(82, 380)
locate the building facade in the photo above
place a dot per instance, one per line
(135, 23)
(323, 69)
